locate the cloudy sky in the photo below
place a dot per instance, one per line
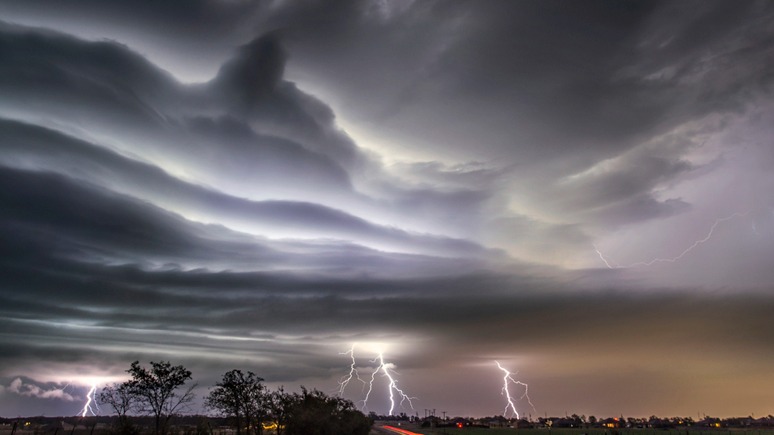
(581, 191)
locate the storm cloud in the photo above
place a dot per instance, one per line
(580, 191)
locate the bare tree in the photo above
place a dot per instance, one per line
(242, 397)
(156, 391)
(118, 397)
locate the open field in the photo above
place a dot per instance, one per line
(510, 431)
(220, 430)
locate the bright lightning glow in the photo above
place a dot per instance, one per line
(612, 265)
(352, 372)
(387, 370)
(508, 379)
(87, 408)
(393, 385)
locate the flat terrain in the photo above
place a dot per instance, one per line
(510, 431)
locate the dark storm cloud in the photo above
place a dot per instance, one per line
(114, 87)
(175, 300)
(182, 18)
(49, 213)
(603, 68)
(551, 102)
(260, 185)
(275, 141)
(175, 28)
(114, 263)
(37, 148)
(533, 322)
(42, 68)
(620, 191)
(589, 83)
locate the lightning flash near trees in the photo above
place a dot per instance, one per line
(240, 395)
(507, 380)
(387, 370)
(90, 400)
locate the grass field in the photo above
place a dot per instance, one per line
(508, 431)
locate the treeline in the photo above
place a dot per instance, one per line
(611, 423)
(162, 391)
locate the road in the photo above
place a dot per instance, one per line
(382, 430)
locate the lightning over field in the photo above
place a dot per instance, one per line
(379, 368)
(256, 185)
(506, 391)
(91, 403)
(344, 381)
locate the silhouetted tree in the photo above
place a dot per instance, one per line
(118, 397)
(280, 406)
(156, 391)
(315, 413)
(242, 397)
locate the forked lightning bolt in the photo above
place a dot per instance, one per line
(387, 371)
(392, 386)
(507, 380)
(352, 372)
(613, 265)
(89, 401)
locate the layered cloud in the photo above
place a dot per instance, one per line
(459, 182)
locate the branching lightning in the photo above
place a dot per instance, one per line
(393, 384)
(612, 265)
(90, 400)
(387, 370)
(507, 380)
(352, 372)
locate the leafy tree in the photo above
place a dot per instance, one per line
(156, 391)
(280, 406)
(118, 397)
(315, 413)
(242, 397)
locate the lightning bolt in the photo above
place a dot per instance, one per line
(602, 257)
(508, 379)
(393, 384)
(89, 401)
(678, 257)
(387, 371)
(352, 372)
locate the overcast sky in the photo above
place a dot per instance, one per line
(581, 191)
